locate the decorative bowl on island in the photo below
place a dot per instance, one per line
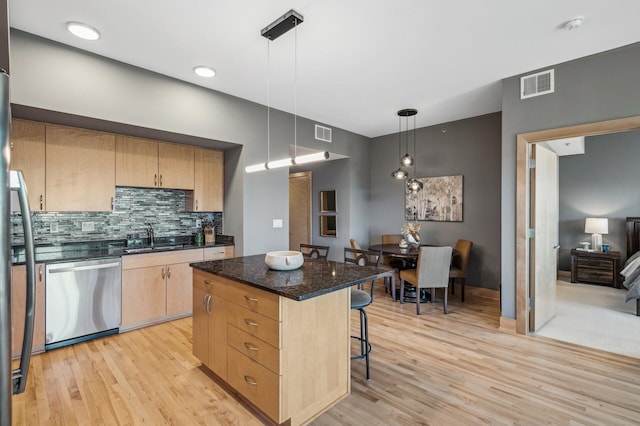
(284, 260)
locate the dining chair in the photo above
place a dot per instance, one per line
(314, 251)
(360, 298)
(354, 244)
(459, 265)
(431, 272)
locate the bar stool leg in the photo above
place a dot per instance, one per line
(365, 346)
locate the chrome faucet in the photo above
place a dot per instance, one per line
(150, 234)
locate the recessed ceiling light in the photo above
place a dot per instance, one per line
(203, 71)
(83, 31)
(573, 23)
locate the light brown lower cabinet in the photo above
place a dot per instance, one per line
(217, 253)
(290, 359)
(158, 287)
(18, 300)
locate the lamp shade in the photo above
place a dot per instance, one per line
(596, 225)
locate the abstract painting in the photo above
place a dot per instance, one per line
(440, 200)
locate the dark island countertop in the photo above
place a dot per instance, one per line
(314, 278)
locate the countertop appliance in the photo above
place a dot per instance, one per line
(83, 301)
(12, 381)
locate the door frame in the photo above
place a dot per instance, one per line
(523, 197)
(308, 175)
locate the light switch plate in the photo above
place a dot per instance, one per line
(277, 223)
(88, 226)
(53, 227)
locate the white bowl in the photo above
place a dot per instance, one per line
(284, 260)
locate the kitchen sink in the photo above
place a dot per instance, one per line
(147, 249)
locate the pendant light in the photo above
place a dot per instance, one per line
(413, 185)
(400, 173)
(289, 20)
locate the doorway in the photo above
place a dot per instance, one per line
(299, 209)
(524, 262)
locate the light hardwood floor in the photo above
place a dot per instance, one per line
(432, 369)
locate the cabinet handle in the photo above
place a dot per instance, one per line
(196, 204)
(250, 299)
(208, 283)
(250, 380)
(250, 323)
(155, 180)
(41, 202)
(163, 274)
(250, 347)
(40, 273)
(160, 179)
(204, 302)
(112, 205)
(169, 272)
(208, 307)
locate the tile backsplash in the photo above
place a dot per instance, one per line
(164, 209)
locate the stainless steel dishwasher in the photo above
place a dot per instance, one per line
(83, 301)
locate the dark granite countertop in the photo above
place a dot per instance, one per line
(314, 278)
(84, 250)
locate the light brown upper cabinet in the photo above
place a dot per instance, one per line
(175, 165)
(208, 191)
(28, 154)
(80, 169)
(147, 163)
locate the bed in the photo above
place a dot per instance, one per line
(631, 270)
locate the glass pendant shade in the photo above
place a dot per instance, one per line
(414, 186)
(400, 174)
(406, 161)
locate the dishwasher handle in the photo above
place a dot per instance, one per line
(84, 268)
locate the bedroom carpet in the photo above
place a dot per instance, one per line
(596, 317)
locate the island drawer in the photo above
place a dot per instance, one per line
(255, 382)
(254, 299)
(254, 324)
(254, 348)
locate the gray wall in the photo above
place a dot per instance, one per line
(596, 88)
(55, 77)
(327, 176)
(469, 147)
(601, 183)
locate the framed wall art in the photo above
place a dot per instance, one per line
(440, 200)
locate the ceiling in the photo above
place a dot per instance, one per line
(358, 61)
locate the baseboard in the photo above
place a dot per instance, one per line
(507, 325)
(564, 274)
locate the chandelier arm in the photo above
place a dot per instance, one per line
(268, 100)
(295, 88)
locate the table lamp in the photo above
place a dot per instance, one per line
(596, 226)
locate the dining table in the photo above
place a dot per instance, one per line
(410, 256)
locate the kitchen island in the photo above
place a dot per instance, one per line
(281, 339)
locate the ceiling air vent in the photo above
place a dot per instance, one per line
(323, 133)
(536, 84)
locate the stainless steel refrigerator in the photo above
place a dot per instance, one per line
(12, 381)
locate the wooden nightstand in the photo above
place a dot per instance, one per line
(595, 267)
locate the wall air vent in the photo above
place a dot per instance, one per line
(536, 84)
(323, 133)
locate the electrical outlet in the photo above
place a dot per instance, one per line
(53, 227)
(198, 223)
(88, 226)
